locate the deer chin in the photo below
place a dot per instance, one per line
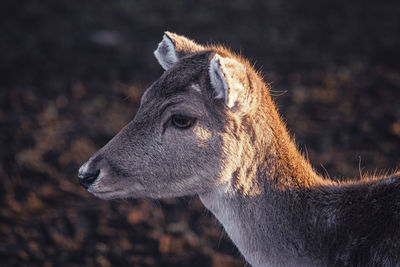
(104, 188)
(109, 194)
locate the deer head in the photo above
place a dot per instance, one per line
(190, 133)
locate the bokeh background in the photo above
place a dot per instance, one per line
(72, 73)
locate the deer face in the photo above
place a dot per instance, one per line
(179, 141)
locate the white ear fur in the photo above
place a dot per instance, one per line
(226, 77)
(217, 79)
(165, 53)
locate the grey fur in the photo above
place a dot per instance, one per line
(242, 163)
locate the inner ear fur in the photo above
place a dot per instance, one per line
(229, 80)
(173, 47)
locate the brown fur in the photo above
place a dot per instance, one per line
(241, 161)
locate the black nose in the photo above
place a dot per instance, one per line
(87, 178)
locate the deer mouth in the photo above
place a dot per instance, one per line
(108, 194)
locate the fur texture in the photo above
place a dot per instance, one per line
(239, 158)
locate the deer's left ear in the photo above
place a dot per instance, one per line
(229, 80)
(172, 47)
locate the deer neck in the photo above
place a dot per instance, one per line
(292, 171)
(255, 206)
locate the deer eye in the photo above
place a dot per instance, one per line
(182, 121)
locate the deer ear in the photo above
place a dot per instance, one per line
(229, 80)
(173, 47)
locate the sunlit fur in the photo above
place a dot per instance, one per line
(241, 161)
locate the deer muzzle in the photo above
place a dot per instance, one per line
(86, 176)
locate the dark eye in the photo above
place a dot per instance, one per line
(182, 121)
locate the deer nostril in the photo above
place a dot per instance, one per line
(87, 178)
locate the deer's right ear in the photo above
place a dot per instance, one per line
(229, 81)
(173, 47)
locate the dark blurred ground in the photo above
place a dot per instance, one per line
(72, 73)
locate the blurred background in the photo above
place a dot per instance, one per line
(72, 73)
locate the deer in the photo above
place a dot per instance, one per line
(209, 127)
